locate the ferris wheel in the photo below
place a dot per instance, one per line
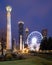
(34, 40)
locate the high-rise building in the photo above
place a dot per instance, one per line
(44, 33)
(9, 40)
(21, 31)
(26, 35)
(13, 44)
(26, 32)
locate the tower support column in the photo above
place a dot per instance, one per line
(21, 42)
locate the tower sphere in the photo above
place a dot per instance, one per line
(9, 8)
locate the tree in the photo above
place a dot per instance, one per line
(50, 43)
(43, 45)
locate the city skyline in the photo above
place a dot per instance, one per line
(35, 14)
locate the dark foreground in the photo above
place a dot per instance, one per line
(41, 59)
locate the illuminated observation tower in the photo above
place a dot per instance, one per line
(21, 24)
(9, 40)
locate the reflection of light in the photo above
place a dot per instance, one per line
(14, 50)
(25, 50)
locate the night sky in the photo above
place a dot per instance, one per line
(36, 15)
